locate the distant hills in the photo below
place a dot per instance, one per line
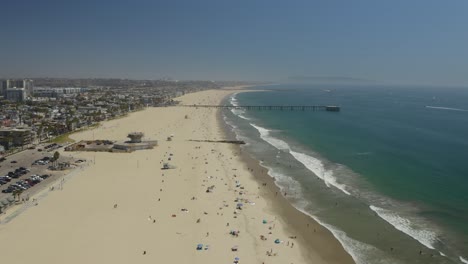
(329, 79)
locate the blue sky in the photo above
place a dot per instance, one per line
(398, 41)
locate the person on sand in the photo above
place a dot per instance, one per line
(115, 206)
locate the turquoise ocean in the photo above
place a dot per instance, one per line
(387, 175)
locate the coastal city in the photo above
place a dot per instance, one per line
(235, 132)
(34, 111)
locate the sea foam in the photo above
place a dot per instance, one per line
(311, 163)
(265, 135)
(463, 260)
(446, 108)
(238, 112)
(358, 251)
(425, 237)
(316, 166)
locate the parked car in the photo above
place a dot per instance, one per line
(8, 190)
(5, 178)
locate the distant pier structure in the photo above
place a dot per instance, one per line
(329, 108)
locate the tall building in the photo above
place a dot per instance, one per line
(25, 84)
(3, 86)
(16, 94)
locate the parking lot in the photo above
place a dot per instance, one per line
(28, 171)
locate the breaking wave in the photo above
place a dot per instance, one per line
(312, 164)
(425, 237)
(463, 260)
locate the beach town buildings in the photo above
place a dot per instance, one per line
(56, 92)
(34, 111)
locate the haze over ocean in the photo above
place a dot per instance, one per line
(390, 168)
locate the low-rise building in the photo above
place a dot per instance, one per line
(16, 137)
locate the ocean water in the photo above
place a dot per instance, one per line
(388, 175)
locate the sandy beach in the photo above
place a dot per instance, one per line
(124, 208)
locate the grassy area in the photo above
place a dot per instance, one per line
(63, 139)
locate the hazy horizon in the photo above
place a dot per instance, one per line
(404, 42)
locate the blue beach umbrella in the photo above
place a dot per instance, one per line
(237, 258)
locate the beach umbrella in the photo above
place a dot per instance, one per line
(240, 204)
(236, 258)
(264, 221)
(277, 241)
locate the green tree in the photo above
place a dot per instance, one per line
(56, 157)
(17, 194)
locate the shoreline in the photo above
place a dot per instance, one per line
(314, 239)
(124, 208)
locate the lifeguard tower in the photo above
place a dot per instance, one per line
(135, 137)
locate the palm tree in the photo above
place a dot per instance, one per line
(40, 130)
(56, 156)
(17, 194)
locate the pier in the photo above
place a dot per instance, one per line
(329, 108)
